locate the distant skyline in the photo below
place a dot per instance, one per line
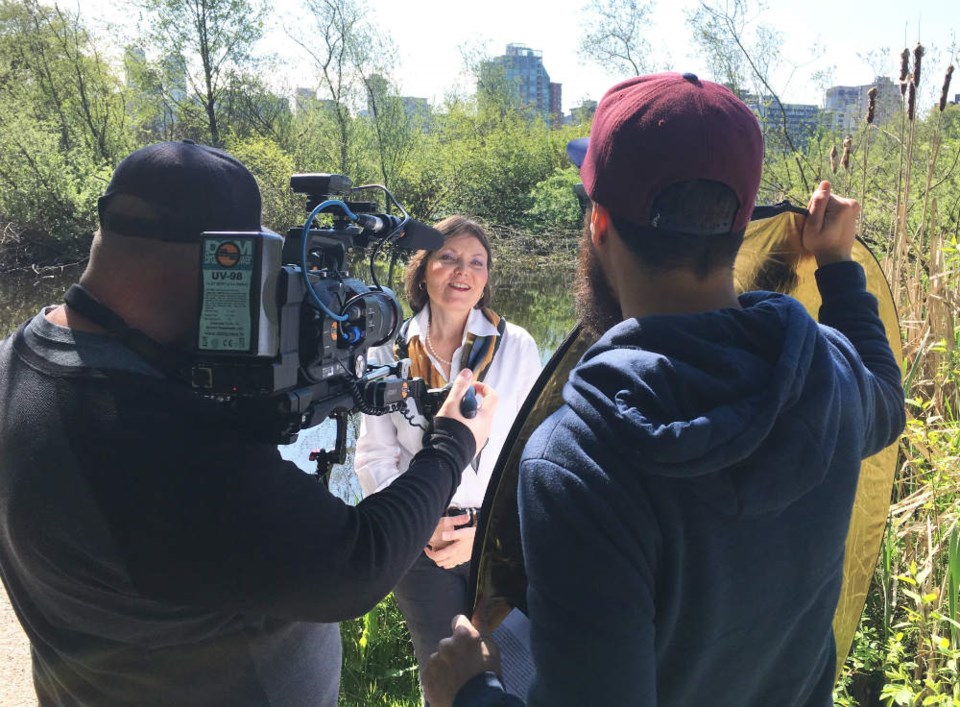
(859, 40)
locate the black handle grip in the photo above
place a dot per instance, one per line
(468, 404)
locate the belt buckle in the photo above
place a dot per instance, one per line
(471, 514)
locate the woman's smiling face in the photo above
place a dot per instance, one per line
(457, 273)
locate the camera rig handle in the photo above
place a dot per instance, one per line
(326, 459)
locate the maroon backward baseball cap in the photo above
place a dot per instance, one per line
(650, 132)
(188, 188)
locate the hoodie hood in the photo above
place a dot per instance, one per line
(722, 399)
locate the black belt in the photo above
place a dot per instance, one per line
(455, 511)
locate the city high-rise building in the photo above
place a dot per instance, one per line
(846, 106)
(523, 71)
(786, 126)
(556, 103)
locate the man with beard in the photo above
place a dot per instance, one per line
(683, 514)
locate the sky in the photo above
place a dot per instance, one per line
(852, 41)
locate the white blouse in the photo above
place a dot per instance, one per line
(387, 443)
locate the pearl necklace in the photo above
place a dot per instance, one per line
(441, 359)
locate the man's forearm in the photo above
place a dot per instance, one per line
(853, 311)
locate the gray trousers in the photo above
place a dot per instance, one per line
(429, 597)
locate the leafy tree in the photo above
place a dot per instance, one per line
(344, 51)
(213, 42)
(497, 96)
(423, 185)
(615, 35)
(492, 158)
(396, 123)
(153, 95)
(252, 109)
(51, 69)
(272, 167)
(61, 129)
(742, 55)
(317, 141)
(717, 35)
(554, 205)
(47, 194)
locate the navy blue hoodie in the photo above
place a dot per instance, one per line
(684, 513)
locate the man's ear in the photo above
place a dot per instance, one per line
(599, 224)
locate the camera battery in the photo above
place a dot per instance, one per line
(238, 308)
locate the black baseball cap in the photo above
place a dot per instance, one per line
(188, 189)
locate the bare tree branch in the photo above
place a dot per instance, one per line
(614, 36)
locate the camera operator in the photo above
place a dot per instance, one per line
(152, 551)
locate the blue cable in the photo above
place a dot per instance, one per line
(303, 254)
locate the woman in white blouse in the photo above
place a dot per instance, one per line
(452, 328)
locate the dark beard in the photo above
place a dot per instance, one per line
(596, 306)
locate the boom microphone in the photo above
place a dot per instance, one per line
(420, 236)
(416, 235)
(377, 223)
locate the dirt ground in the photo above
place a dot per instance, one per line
(16, 683)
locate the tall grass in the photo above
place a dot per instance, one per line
(907, 650)
(379, 669)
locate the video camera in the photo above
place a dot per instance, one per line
(284, 331)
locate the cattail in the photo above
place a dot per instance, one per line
(871, 104)
(911, 101)
(946, 88)
(904, 69)
(845, 157)
(833, 159)
(917, 60)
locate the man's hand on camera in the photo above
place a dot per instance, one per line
(458, 658)
(830, 230)
(455, 547)
(479, 425)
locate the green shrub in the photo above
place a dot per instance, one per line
(271, 167)
(48, 196)
(554, 204)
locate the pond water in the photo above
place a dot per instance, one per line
(538, 299)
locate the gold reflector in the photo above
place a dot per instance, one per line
(771, 258)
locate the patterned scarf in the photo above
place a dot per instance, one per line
(477, 354)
